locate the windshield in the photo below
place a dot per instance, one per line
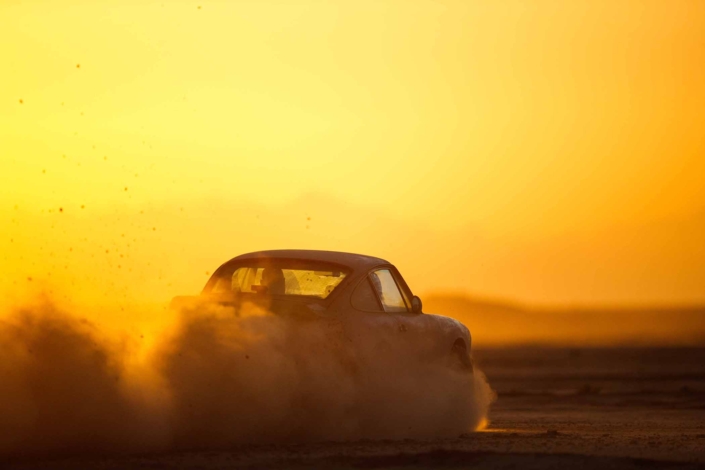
(281, 278)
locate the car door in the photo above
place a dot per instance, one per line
(395, 296)
(383, 318)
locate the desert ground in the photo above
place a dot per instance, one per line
(555, 408)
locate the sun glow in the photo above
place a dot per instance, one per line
(548, 152)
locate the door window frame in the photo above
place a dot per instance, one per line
(398, 280)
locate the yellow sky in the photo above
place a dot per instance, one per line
(543, 151)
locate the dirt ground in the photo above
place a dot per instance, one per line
(556, 409)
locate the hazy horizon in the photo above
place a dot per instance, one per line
(170, 246)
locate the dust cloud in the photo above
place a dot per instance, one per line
(213, 379)
(64, 389)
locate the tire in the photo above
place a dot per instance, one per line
(460, 356)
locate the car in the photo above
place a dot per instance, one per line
(367, 295)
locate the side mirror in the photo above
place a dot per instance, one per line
(416, 305)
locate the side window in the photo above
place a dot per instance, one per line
(389, 294)
(364, 298)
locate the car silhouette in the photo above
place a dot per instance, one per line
(366, 294)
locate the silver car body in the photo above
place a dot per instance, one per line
(357, 308)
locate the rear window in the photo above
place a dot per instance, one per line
(281, 278)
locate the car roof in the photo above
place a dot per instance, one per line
(351, 260)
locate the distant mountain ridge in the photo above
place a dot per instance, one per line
(497, 322)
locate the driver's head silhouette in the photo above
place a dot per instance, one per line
(273, 280)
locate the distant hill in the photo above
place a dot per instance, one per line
(494, 323)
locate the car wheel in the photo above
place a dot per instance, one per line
(460, 356)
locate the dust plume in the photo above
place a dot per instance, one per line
(262, 377)
(217, 378)
(64, 388)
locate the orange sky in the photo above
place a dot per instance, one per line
(548, 152)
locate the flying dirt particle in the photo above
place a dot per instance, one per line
(307, 227)
(207, 273)
(154, 229)
(82, 206)
(308, 218)
(44, 171)
(107, 251)
(125, 188)
(78, 66)
(105, 158)
(247, 356)
(62, 103)
(29, 279)
(199, 7)
(61, 209)
(21, 101)
(81, 113)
